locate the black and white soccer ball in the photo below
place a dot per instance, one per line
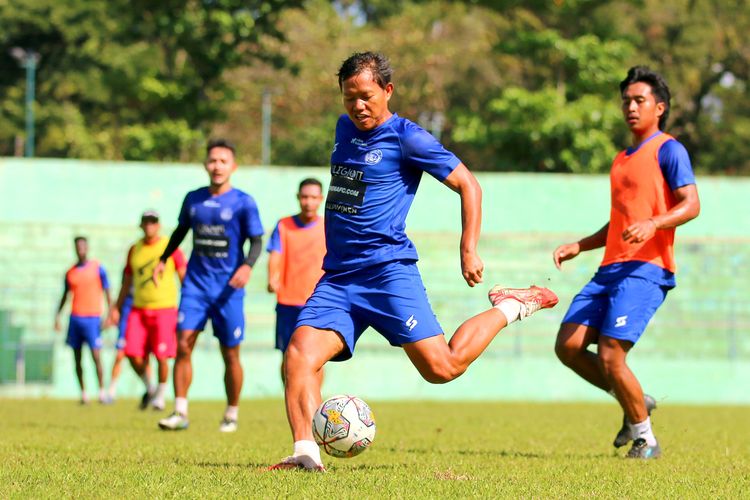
(344, 426)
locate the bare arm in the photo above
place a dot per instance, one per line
(687, 208)
(63, 300)
(462, 181)
(274, 271)
(571, 250)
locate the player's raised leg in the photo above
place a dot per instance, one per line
(309, 349)
(439, 361)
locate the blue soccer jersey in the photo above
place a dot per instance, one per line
(221, 225)
(374, 177)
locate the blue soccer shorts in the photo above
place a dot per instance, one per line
(286, 320)
(123, 324)
(84, 329)
(620, 309)
(389, 297)
(225, 312)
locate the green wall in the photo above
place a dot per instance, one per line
(697, 349)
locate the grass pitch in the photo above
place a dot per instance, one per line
(51, 448)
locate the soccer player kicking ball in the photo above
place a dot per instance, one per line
(87, 282)
(653, 191)
(222, 218)
(295, 260)
(152, 319)
(371, 276)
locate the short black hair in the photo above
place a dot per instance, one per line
(359, 62)
(658, 85)
(310, 181)
(220, 143)
(80, 238)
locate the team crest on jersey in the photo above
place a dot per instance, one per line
(226, 214)
(374, 156)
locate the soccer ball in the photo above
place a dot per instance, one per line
(344, 426)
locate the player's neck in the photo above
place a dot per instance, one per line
(640, 136)
(306, 218)
(216, 190)
(151, 240)
(82, 261)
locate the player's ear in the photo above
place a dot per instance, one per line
(660, 107)
(388, 90)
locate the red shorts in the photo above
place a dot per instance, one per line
(151, 331)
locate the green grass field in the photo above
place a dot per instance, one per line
(53, 448)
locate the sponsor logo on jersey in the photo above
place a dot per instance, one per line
(359, 142)
(621, 321)
(348, 172)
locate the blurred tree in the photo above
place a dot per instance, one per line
(130, 79)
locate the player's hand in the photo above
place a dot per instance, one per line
(58, 325)
(241, 276)
(113, 318)
(472, 268)
(158, 270)
(273, 286)
(640, 231)
(565, 252)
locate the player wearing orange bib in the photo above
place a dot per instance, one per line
(295, 262)
(152, 321)
(87, 282)
(653, 192)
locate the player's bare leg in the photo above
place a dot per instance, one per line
(77, 353)
(183, 365)
(571, 348)
(233, 378)
(140, 366)
(157, 402)
(439, 362)
(183, 377)
(627, 389)
(309, 349)
(95, 355)
(115, 376)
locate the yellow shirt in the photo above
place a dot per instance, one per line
(142, 260)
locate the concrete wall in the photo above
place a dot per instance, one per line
(697, 349)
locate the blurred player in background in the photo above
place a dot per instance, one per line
(371, 277)
(222, 218)
(295, 260)
(152, 320)
(653, 192)
(87, 282)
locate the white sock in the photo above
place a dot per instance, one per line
(161, 391)
(84, 396)
(231, 412)
(181, 406)
(511, 309)
(309, 448)
(112, 388)
(643, 430)
(102, 394)
(147, 383)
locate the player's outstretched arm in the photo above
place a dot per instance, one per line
(174, 243)
(571, 250)
(462, 181)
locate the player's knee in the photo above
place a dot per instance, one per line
(442, 372)
(566, 353)
(610, 363)
(296, 358)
